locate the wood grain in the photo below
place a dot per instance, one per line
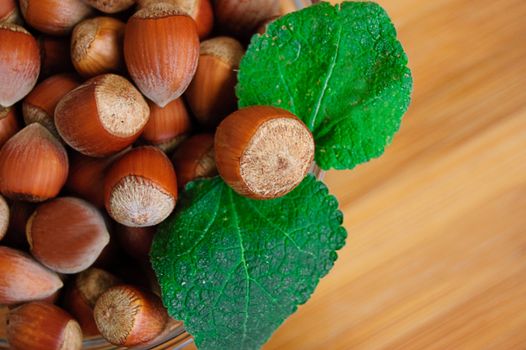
(436, 254)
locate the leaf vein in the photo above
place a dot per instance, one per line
(245, 267)
(316, 110)
(279, 229)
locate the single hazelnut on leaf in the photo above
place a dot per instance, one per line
(9, 11)
(54, 55)
(86, 174)
(140, 188)
(194, 158)
(67, 234)
(101, 117)
(82, 294)
(54, 17)
(33, 165)
(39, 105)
(211, 94)
(242, 18)
(4, 217)
(8, 124)
(19, 63)
(22, 279)
(110, 6)
(42, 326)
(167, 126)
(200, 10)
(96, 46)
(161, 49)
(263, 152)
(128, 316)
(136, 241)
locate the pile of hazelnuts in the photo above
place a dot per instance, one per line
(108, 108)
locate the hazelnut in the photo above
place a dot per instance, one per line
(33, 165)
(96, 46)
(161, 67)
(101, 117)
(42, 326)
(55, 17)
(19, 63)
(127, 316)
(67, 234)
(211, 94)
(22, 279)
(263, 152)
(82, 294)
(140, 188)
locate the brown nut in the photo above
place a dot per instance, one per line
(42, 326)
(19, 63)
(82, 294)
(55, 17)
(263, 152)
(96, 46)
(140, 188)
(194, 159)
(33, 165)
(167, 126)
(161, 67)
(127, 316)
(22, 279)
(101, 117)
(67, 234)
(39, 105)
(211, 95)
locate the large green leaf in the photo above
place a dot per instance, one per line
(233, 269)
(341, 70)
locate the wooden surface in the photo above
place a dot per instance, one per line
(436, 255)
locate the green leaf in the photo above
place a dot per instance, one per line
(233, 269)
(341, 70)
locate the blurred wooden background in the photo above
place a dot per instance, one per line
(436, 255)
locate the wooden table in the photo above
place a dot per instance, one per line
(436, 255)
